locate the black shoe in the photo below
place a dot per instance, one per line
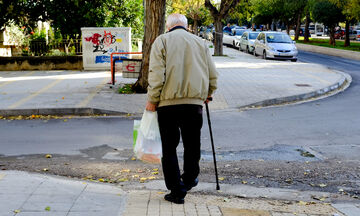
(171, 197)
(191, 185)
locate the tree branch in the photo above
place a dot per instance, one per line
(226, 5)
(214, 12)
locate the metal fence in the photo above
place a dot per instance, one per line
(66, 47)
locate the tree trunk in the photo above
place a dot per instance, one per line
(218, 40)
(288, 27)
(347, 32)
(332, 36)
(154, 26)
(307, 24)
(195, 26)
(298, 23)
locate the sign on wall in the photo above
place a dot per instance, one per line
(99, 43)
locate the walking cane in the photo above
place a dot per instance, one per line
(212, 143)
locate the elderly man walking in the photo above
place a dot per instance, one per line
(182, 76)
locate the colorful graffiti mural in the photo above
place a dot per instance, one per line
(102, 42)
(99, 43)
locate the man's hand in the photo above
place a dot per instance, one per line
(150, 107)
(208, 99)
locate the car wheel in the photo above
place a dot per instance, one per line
(247, 49)
(264, 55)
(234, 44)
(293, 60)
(254, 52)
(240, 48)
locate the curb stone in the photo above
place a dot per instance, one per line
(341, 85)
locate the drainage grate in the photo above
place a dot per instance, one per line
(303, 85)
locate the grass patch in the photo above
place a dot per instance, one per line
(354, 46)
(126, 89)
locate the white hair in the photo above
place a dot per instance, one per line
(176, 20)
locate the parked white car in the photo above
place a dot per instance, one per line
(275, 45)
(246, 43)
(233, 38)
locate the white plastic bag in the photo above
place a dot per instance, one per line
(147, 140)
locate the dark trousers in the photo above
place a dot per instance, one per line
(175, 120)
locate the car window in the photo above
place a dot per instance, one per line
(278, 38)
(253, 35)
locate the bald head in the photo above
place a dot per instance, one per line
(176, 20)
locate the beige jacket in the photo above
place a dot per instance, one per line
(181, 70)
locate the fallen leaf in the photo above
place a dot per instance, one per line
(341, 190)
(151, 177)
(142, 180)
(322, 185)
(65, 120)
(156, 169)
(45, 169)
(101, 180)
(221, 178)
(155, 173)
(47, 208)
(48, 156)
(133, 158)
(244, 182)
(125, 170)
(303, 203)
(259, 176)
(160, 192)
(63, 98)
(123, 180)
(17, 211)
(289, 181)
(135, 176)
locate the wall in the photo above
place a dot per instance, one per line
(41, 63)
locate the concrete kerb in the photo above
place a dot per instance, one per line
(59, 111)
(329, 51)
(342, 84)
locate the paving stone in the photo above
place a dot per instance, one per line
(348, 209)
(243, 212)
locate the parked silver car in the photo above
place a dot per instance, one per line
(275, 45)
(247, 41)
(230, 39)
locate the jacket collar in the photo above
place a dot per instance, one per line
(177, 27)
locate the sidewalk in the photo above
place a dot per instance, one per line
(25, 194)
(244, 81)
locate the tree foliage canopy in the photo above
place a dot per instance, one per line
(69, 16)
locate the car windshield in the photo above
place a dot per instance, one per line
(253, 35)
(239, 32)
(278, 38)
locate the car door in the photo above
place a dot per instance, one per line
(262, 44)
(243, 41)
